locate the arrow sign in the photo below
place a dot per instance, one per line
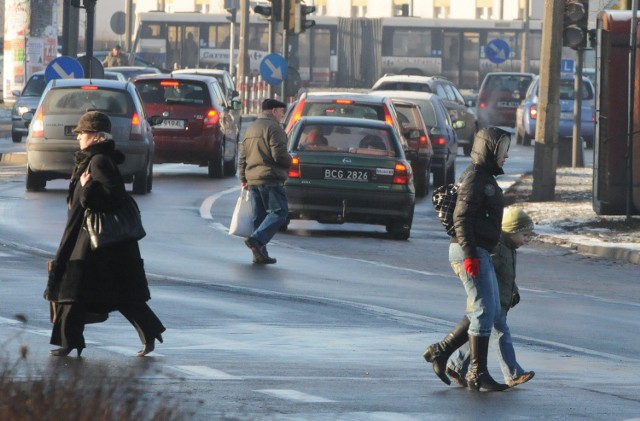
(273, 69)
(64, 67)
(497, 51)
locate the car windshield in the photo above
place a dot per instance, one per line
(35, 86)
(80, 99)
(173, 91)
(344, 109)
(349, 139)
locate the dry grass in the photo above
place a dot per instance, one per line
(73, 390)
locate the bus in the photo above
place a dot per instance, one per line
(346, 52)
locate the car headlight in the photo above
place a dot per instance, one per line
(22, 110)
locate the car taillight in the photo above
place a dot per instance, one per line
(294, 169)
(423, 140)
(483, 105)
(438, 141)
(212, 118)
(387, 116)
(136, 128)
(297, 113)
(400, 174)
(533, 112)
(37, 125)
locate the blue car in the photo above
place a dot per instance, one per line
(527, 113)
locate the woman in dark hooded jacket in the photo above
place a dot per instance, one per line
(477, 221)
(83, 280)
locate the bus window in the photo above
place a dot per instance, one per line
(259, 38)
(471, 60)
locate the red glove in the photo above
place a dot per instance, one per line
(472, 265)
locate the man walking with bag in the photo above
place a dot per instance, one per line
(264, 167)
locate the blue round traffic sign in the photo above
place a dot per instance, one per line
(273, 69)
(497, 51)
(63, 67)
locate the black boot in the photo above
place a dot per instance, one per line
(478, 376)
(439, 353)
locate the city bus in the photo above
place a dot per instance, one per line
(347, 52)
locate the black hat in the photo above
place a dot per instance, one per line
(270, 104)
(93, 121)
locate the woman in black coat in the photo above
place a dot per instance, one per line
(83, 280)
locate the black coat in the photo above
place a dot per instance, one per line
(102, 278)
(477, 217)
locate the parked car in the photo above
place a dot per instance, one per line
(226, 83)
(448, 93)
(26, 102)
(415, 132)
(527, 112)
(198, 128)
(131, 72)
(441, 129)
(358, 173)
(114, 76)
(51, 143)
(499, 96)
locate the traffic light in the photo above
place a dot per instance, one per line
(576, 17)
(302, 24)
(289, 15)
(273, 12)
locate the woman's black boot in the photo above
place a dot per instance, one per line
(63, 352)
(438, 353)
(478, 376)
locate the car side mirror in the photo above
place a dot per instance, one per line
(155, 120)
(470, 103)
(235, 94)
(15, 93)
(459, 124)
(412, 134)
(236, 105)
(27, 117)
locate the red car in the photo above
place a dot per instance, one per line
(198, 126)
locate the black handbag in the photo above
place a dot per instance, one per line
(444, 202)
(121, 224)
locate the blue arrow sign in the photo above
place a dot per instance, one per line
(497, 51)
(273, 69)
(64, 67)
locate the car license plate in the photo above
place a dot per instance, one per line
(346, 174)
(566, 116)
(171, 124)
(508, 104)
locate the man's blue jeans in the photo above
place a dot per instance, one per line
(483, 296)
(270, 210)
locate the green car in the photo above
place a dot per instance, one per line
(350, 170)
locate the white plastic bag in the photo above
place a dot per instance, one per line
(242, 219)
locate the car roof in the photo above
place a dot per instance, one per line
(353, 96)
(199, 71)
(410, 78)
(408, 95)
(102, 83)
(510, 74)
(119, 68)
(182, 76)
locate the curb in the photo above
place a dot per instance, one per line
(607, 252)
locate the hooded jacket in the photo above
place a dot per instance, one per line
(263, 153)
(477, 217)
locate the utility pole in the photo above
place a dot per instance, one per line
(243, 58)
(546, 151)
(524, 53)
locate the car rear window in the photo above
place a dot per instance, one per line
(510, 83)
(349, 139)
(567, 90)
(347, 109)
(405, 86)
(35, 86)
(408, 116)
(172, 91)
(71, 100)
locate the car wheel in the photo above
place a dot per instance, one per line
(216, 164)
(451, 173)
(519, 137)
(526, 139)
(141, 181)
(421, 183)
(35, 182)
(285, 225)
(16, 137)
(466, 149)
(400, 230)
(439, 177)
(150, 179)
(231, 167)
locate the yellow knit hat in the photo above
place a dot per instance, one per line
(516, 220)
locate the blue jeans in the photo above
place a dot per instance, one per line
(270, 210)
(501, 342)
(483, 296)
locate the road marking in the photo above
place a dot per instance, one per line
(203, 372)
(293, 395)
(128, 351)
(207, 204)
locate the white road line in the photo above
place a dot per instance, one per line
(203, 372)
(207, 204)
(128, 351)
(294, 395)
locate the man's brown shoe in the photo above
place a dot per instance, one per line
(522, 378)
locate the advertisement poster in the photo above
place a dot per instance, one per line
(16, 30)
